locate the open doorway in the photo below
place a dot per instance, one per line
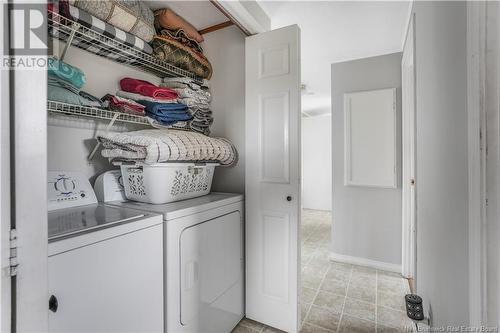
(350, 247)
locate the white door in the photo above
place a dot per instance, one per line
(409, 181)
(272, 177)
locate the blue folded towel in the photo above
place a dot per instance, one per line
(167, 113)
(66, 72)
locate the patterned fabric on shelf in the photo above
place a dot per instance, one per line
(178, 54)
(108, 30)
(165, 145)
(132, 16)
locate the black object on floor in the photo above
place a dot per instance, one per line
(414, 308)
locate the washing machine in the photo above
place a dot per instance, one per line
(105, 263)
(204, 262)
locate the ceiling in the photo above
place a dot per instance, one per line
(335, 31)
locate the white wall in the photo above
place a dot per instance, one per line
(226, 50)
(366, 221)
(441, 168)
(317, 162)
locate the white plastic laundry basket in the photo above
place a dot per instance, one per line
(166, 182)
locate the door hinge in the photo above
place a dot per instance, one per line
(13, 253)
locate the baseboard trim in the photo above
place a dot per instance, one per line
(385, 266)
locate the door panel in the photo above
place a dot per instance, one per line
(273, 177)
(409, 174)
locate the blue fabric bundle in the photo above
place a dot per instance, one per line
(71, 74)
(167, 113)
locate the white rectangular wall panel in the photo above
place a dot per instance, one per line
(370, 138)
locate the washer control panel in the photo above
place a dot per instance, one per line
(69, 189)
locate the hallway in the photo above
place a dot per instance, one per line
(339, 297)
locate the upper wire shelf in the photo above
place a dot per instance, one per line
(96, 43)
(96, 113)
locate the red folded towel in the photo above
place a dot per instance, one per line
(147, 89)
(124, 105)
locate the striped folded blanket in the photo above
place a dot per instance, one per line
(108, 30)
(160, 145)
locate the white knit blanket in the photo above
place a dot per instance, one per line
(162, 145)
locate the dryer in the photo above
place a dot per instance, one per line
(204, 262)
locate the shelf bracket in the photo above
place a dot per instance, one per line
(98, 144)
(69, 41)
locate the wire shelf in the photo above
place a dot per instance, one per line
(96, 43)
(96, 113)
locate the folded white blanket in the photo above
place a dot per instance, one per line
(203, 95)
(160, 145)
(194, 102)
(184, 80)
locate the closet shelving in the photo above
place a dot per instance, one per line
(75, 34)
(96, 113)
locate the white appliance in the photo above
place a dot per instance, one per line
(108, 186)
(204, 284)
(105, 263)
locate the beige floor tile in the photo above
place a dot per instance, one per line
(363, 280)
(307, 295)
(350, 324)
(269, 329)
(385, 329)
(383, 274)
(392, 285)
(359, 292)
(252, 324)
(359, 309)
(338, 287)
(340, 266)
(338, 274)
(304, 308)
(392, 318)
(321, 257)
(363, 269)
(391, 300)
(243, 329)
(311, 281)
(308, 328)
(330, 301)
(323, 318)
(313, 268)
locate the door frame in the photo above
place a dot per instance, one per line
(409, 237)
(28, 171)
(476, 144)
(5, 191)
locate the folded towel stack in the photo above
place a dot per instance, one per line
(124, 105)
(197, 98)
(160, 103)
(65, 83)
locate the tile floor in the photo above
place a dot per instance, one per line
(339, 297)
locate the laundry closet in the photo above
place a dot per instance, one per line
(122, 257)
